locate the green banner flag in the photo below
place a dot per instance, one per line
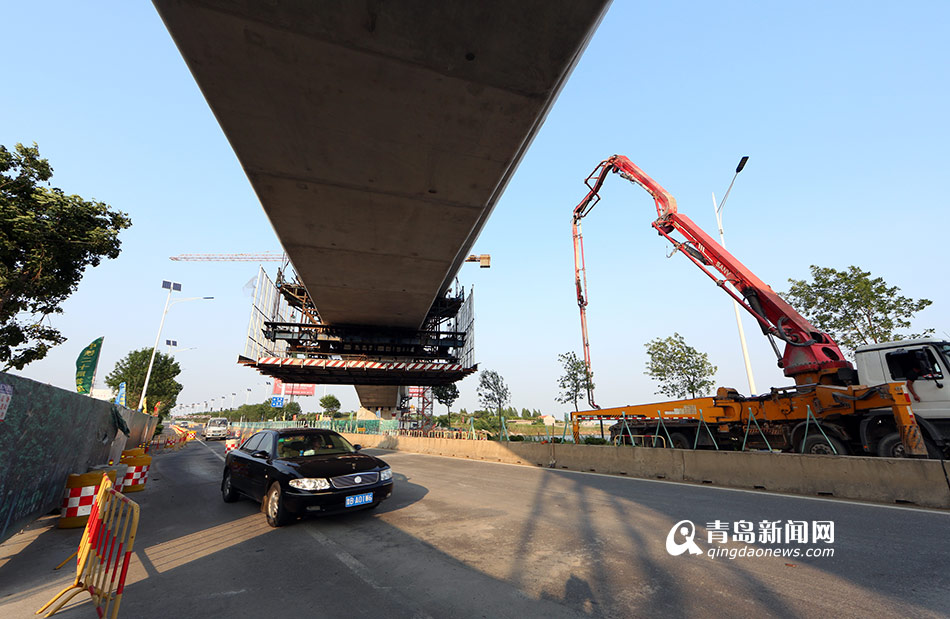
(86, 366)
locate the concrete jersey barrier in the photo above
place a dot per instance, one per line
(880, 480)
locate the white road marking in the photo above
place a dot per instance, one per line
(211, 450)
(224, 593)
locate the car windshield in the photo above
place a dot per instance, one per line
(218, 422)
(312, 444)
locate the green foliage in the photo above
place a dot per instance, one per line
(330, 404)
(446, 395)
(292, 408)
(162, 386)
(595, 440)
(47, 239)
(493, 393)
(576, 382)
(854, 308)
(680, 369)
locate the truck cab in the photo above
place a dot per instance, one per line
(924, 366)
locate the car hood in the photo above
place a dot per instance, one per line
(333, 465)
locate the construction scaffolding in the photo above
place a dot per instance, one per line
(286, 339)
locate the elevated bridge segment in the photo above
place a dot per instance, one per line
(379, 136)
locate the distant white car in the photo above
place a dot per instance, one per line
(217, 427)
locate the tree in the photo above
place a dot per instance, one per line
(47, 239)
(162, 386)
(493, 393)
(680, 369)
(330, 404)
(446, 395)
(854, 308)
(576, 382)
(292, 408)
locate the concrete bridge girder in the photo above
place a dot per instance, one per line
(379, 135)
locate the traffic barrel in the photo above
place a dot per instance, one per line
(230, 444)
(137, 474)
(131, 453)
(78, 497)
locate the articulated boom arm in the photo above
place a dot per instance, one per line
(810, 356)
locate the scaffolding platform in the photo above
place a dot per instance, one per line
(355, 372)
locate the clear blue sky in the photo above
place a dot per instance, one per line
(842, 108)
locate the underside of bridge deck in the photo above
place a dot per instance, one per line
(379, 135)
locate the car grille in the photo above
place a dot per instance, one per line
(350, 481)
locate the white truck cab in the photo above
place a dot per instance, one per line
(924, 366)
(217, 427)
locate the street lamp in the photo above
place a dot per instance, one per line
(171, 287)
(735, 304)
(248, 396)
(170, 344)
(232, 400)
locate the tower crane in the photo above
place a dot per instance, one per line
(261, 257)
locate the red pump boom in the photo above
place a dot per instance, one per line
(810, 356)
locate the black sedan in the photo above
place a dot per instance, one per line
(298, 471)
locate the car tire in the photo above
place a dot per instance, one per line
(228, 493)
(273, 506)
(817, 445)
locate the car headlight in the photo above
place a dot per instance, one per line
(386, 474)
(310, 483)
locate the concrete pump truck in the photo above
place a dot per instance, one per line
(833, 407)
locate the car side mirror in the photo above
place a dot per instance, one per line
(260, 454)
(357, 447)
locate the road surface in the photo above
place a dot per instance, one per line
(462, 538)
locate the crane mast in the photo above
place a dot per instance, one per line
(810, 355)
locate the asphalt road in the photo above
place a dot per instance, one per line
(463, 538)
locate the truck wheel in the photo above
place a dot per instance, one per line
(891, 446)
(678, 440)
(819, 446)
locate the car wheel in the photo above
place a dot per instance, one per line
(274, 510)
(228, 493)
(817, 445)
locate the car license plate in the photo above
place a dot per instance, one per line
(359, 499)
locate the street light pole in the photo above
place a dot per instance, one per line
(735, 304)
(248, 396)
(172, 287)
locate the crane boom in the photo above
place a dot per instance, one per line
(810, 356)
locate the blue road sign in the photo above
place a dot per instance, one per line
(277, 401)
